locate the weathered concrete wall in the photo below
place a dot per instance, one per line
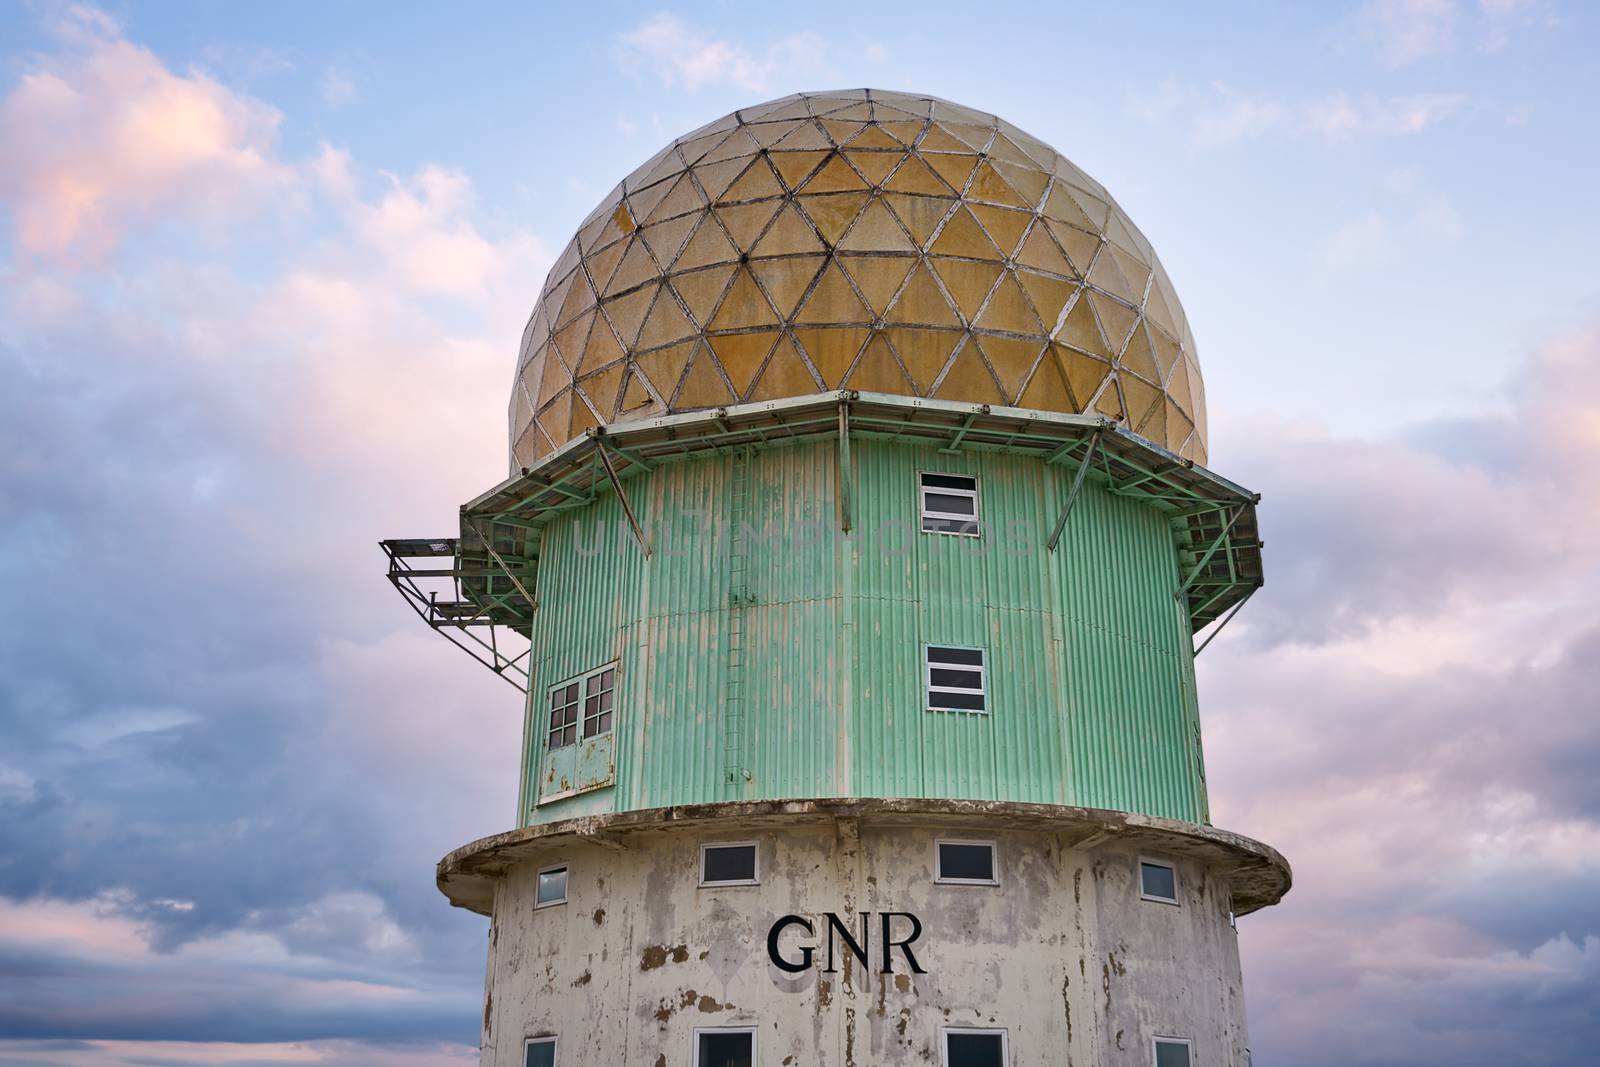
(1063, 953)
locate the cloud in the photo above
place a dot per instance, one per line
(308, 977)
(1220, 114)
(1405, 710)
(682, 55)
(232, 1054)
(208, 731)
(420, 230)
(202, 441)
(1413, 219)
(1410, 30)
(1401, 528)
(1358, 243)
(1405, 32)
(1233, 116)
(1338, 117)
(104, 136)
(338, 87)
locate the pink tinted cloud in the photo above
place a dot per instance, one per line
(103, 136)
(1406, 710)
(330, 361)
(221, 1053)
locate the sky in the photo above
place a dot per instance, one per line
(263, 269)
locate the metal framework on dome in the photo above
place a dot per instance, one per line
(863, 240)
(484, 599)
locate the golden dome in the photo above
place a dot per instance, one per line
(856, 240)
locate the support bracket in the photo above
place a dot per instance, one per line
(844, 465)
(503, 565)
(1225, 620)
(1077, 484)
(622, 494)
(955, 441)
(1194, 572)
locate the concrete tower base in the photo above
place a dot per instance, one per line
(848, 950)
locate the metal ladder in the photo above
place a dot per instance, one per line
(739, 598)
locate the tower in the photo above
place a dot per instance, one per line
(858, 535)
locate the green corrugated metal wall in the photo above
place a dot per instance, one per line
(814, 687)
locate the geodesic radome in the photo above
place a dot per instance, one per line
(861, 240)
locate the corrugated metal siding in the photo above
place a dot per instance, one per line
(1091, 684)
(794, 692)
(1130, 735)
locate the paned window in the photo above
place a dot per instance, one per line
(949, 504)
(955, 679)
(583, 704)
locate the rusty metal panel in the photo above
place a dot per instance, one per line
(572, 769)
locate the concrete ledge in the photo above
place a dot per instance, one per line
(1258, 874)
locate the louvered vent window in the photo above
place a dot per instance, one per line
(955, 679)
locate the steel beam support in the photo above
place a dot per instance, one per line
(1222, 537)
(966, 424)
(1072, 494)
(1222, 590)
(425, 608)
(546, 486)
(1226, 619)
(627, 454)
(1066, 447)
(622, 495)
(844, 466)
(489, 545)
(1151, 475)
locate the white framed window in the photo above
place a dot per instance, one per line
(729, 863)
(958, 862)
(582, 705)
(1171, 1052)
(949, 503)
(551, 888)
(971, 1047)
(539, 1052)
(955, 678)
(1158, 881)
(725, 1046)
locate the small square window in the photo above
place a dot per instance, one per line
(955, 678)
(599, 691)
(583, 705)
(1158, 881)
(1172, 1052)
(552, 888)
(725, 1047)
(950, 504)
(540, 1052)
(974, 1048)
(733, 863)
(965, 863)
